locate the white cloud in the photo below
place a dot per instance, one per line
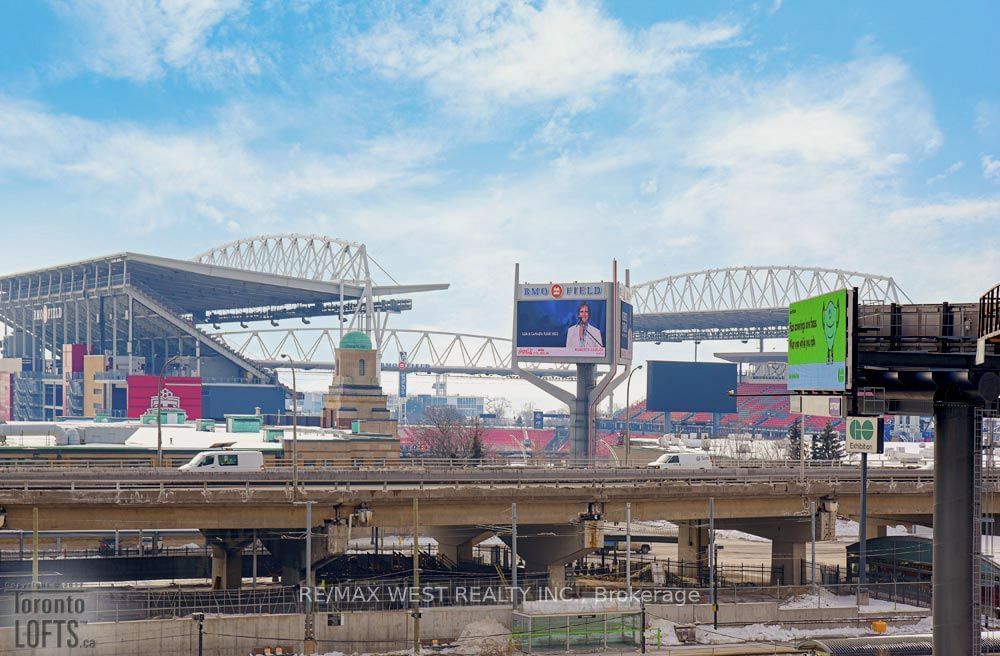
(140, 40)
(959, 211)
(482, 55)
(951, 170)
(991, 168)
(163, 178)
(987, 121)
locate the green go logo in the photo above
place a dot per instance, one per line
(863, 430)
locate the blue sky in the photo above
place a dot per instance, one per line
(456, 139)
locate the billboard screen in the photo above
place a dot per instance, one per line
(817, 343)
(178, 392)
(690, 387)
(562, 323)
(625, 334)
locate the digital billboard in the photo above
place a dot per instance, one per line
(562, 322)
(625, 332)
(690, 387)
(178, 392)
(818, 342)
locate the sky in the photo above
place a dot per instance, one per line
(455, 139)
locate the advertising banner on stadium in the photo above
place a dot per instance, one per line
(178, 392)
(559, 322)
(818, 342)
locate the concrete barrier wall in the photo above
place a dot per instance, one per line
(764, 612)
(368, 631)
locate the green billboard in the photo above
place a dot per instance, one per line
(817, 342)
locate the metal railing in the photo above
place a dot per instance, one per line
(678, 573)
(379, 462)
(894, 600)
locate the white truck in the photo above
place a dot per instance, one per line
(682, 461)
(225, 460)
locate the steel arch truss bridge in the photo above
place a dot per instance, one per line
(427, 351)
(741, 302)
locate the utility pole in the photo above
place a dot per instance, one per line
(812, 516)
(34, 547)
(416, 577)
(308, 631)
(159, 411)
(628, 550)
(513, 555)
(802, 449)
(200, 619)
(712, 556)
(295, 429)
(254, 543)
(863, 528)
(628, 422)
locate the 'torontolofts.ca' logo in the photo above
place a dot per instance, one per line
(49, 618)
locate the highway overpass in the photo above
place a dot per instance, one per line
(560, 512)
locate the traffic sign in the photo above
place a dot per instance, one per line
(865, 435)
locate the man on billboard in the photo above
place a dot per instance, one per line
(582, 335)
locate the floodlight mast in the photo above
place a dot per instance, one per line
(588, 393)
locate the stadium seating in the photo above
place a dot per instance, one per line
(760, 407)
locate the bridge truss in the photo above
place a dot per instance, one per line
(427, 351)
(742, 302)
(316, 258)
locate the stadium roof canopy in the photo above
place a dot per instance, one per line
(197, 288)
(130, 305)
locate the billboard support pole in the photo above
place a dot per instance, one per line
(583, 404)
(612, 378)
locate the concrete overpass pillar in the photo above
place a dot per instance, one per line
(457, 543)
(789, 536)
(788, 556)
(692, 543)
(876, 528)
(290, 554)
(227, 566)
(549, 547)
(227, 557)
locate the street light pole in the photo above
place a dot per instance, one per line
(295, 429)
(159, 411)
(628, 423)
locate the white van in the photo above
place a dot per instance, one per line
(225, 461)
(682, 461)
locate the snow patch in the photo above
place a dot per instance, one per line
(562, 606)
(483, 636)
(827, 599)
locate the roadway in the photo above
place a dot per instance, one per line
(317, 477)
(90, 499)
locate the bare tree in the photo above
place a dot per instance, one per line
(526, 415)
(499, 406)
(449, 434)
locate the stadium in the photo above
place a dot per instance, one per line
(92, 339)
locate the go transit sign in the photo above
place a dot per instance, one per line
(865, 435)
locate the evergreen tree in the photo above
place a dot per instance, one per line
(827, 445)
(795, 441)
(477, 452)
